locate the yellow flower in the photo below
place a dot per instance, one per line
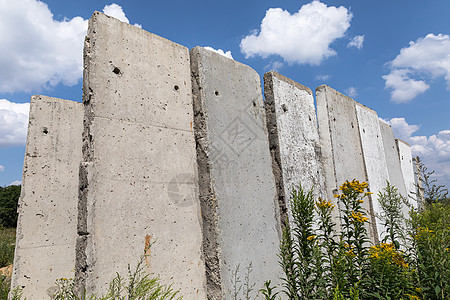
(311, 237)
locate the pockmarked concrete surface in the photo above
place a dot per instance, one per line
(47, 224)
(341, 145)
(293, 137)
(138, 179)
(406, 164)
(237, 186)
(374, 158)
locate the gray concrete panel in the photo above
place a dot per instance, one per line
(374, 158)
(237, 186)
(393, 162)
(406, 164)
(341, 143)
(138, 179)
(293, 137)
(47, 224)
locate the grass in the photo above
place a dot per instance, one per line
(7, 245)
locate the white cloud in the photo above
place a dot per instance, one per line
(428, 57)
(403, 87)
(274, 66)
(323, 77)
(16, 182)
(351, 92)
(434, 149)
(220, 51)
(116, 11)
(303, 37)
(13, 123)
(2, 168)
(37, 50)
(356, 42)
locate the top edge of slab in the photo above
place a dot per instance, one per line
(201, 51)
(35, 98)
(383, 122)
(99, 15)
(289, 81)
(399, 140)
(365, 107)
(327, 87)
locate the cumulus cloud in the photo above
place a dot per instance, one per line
(434, 149)
(13, 123)
(116, 11)
(303, 37)
(220, 51)
(403, 88)
(356, 42)
(39, 52)
(428, 57)
(2, 168)
(351, 92)
(16, 182)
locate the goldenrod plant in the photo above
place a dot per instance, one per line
(318, 264)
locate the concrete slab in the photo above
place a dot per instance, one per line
(374, 157)
(393, 162)
(406, 164)
(237, 186)
(47, 224)
(138, 179)
(293, 137)
(341, 144)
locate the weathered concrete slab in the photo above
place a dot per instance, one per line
(341, 144)
(293, 137)
(406, 164)
(47, 224)
(237, 186)
(418, 183)
(138, 180)
(374, 157)
(393, 162)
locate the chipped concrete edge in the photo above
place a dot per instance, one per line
(274, 144)
(210, 244)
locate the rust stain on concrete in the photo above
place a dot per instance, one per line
(147, 251)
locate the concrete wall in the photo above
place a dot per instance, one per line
(374, 157)
(47, 224)
(341, 144)
(237, 186)
(405, 156)
(138, 179)
(293, 137)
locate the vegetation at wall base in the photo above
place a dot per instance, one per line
(412, 261)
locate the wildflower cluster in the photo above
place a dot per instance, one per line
(319, 264)
(388, 253)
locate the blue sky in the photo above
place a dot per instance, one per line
(392, 56)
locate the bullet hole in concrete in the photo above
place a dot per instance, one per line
(284, 107)
(116, 70)
(45, 130)
(176, 87)
(254, 103)
(216, 93)
(364, 130)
